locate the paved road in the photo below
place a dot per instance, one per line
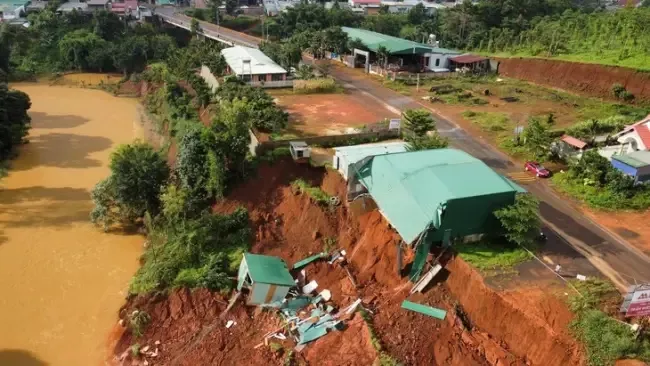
(572, 236)
(570, 233)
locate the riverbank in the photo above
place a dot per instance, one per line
(63, 280)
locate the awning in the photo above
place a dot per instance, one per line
(467, 59)
(579, 144)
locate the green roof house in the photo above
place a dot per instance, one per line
(267, 278)
(436, 191)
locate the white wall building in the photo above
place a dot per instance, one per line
(346, 156)
(406, 6)
(636, 136)
(254, 67)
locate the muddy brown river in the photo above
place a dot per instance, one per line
(62, 280)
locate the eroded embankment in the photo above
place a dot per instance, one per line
(291, 226)
(588, 79)
(532, 323)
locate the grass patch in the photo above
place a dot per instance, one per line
(384, 358)
(486, 255)
(489, 121)
(606, 339)
(276, 136)
(316, 86)
(315, 193)
(601, 198)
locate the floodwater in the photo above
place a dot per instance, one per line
(62, 280)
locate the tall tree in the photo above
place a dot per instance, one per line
(520, 221)
(418, 121)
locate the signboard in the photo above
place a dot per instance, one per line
(640, 304)
(394, 124)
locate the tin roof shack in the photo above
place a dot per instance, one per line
(346, 156)
(442, 193)
(300, 151)
(267, 278)
(635, 164)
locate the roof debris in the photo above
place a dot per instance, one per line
(423, 309)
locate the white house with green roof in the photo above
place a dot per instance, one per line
(403, 50)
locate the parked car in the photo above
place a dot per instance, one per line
(537, 168)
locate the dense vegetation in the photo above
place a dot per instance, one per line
(606, 340)
(594, 180)
(14, 120)
(420, 131)
(571, 29)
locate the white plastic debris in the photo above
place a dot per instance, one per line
(280, 336)
(634, 327)
(144, 349)
(352, 307)
(326, 295)
(145, 363)
(581, 277)
(310, 287)
(230, 323)
(157, 343)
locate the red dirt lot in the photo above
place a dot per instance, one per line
(329, 114)
(631, 226)
(588, 79)
(290, 226)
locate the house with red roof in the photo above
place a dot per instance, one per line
(124, 7)
(636, 136)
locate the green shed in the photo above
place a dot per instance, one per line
(267, 278)
(437, 191)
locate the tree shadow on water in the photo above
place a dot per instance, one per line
(44, 120)
(16, 357)
(63, 150)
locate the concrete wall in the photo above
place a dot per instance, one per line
(252, 146)
(331, 140)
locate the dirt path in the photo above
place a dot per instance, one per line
(62, 281)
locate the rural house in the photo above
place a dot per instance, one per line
(254, 67)
(636, 136)
(635, 164)
(402, 52)
(267, 278)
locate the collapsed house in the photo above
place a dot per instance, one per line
(433, 196)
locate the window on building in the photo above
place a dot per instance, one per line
(437, 62)
(246, 77)
(276, 77)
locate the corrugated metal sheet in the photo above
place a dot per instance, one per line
(394, 45)
(260, 64)
(268, 269)
(423, 309)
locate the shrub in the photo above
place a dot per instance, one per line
(316, 194)
(204, 251)
(138, 322)
(617, 90)
(313, 86)
(137, 174)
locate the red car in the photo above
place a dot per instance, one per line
(537, 168)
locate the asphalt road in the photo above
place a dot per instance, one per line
(571, 235)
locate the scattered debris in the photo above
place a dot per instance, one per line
(581, 277)
(229, 324)
(510, 99)
(310, 287)
(426, 310)
(426, 279)
(308, 260)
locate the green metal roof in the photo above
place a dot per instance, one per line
(410, 187)
(394, 45)
(636, 159)
(269, 270)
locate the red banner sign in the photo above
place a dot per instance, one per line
(640, 304)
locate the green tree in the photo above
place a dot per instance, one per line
(418, 121)
(14, 120)
(305, 72)
(537, 138)
(592, 168)
(108, 25)
(138, 173)
(382, 55)
(195, 28)
(520, 221)
(417, 14)
(427, 142)
(232, 6)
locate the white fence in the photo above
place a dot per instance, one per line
(272, 84)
